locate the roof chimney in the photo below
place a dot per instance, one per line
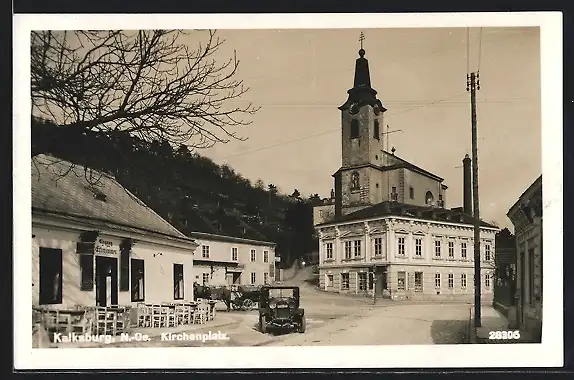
(466, 186)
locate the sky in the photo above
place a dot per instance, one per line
(300, 77)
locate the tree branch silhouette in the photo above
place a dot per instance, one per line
(148, 84)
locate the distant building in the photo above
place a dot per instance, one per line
(526, 216)
(96, 244)
(389, 222)
(226, 260)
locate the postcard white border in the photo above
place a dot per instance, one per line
(547, 354)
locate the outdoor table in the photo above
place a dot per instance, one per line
(62, 320)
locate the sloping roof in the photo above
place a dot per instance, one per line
(536, 186)
(55, 192)
(406, 210)
(232, 239)
(394, 163)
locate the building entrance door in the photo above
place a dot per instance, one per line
(106, 281)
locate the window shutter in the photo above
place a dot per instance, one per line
(125, 268)
(87, 269)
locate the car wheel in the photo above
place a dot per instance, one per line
(303, 326)
(262, 324)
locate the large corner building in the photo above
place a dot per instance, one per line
(386, 228)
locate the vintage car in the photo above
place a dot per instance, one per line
(279, 309)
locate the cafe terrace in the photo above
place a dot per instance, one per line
(103, 261)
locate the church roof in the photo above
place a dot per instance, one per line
(387, 208)
(62, 190)
(362, 93)
(395, 163)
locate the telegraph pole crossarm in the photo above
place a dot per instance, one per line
(472, 85)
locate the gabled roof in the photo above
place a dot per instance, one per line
(406, 210)
(207, 236)
(57, 192)
(395, 163)
(535, 187)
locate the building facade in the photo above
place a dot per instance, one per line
(409, 252)
(388, 229)
(96, 244)
(224, 260)
(526, 216)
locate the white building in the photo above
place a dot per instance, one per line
(413, 252)
(97, 244)
(226, 260)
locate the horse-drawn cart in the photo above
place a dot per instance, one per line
(245, 297)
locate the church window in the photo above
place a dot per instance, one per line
(428, 198)
(355, 181)
(376, 132)
(354, 129)
(412, 192)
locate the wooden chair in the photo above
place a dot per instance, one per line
(144, 315)
(106, 320)
(158, 319)
(121, 320)
(171, 317)
(201, 313)
(182, 314)
(190, 311)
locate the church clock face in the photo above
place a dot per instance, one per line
(377, 109)
(354, 109)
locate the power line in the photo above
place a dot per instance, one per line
(330, 131)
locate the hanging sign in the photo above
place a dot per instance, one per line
(106, 247)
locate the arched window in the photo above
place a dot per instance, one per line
(429, 198)
(354, 129)
(355, 181)
(376, 131)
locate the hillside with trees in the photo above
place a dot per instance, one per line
(189, 190)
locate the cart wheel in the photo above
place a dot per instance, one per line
(248, 304)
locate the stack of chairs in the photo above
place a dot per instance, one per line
(144, 315)
(105, 321)
(182, 314)
(201, 313)
(159, 318)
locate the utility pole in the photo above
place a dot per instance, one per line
(472, 85)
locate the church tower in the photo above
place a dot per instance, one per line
(357, 182)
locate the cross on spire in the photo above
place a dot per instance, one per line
(361, 39)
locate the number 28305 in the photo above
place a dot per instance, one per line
(496, 335)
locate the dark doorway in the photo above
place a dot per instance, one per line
(106, 281)
(381, 284)
(236, 278)
(384, 279)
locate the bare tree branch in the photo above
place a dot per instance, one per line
(150, 84)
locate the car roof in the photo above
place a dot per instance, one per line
(280, 287)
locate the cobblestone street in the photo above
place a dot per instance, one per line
(331, 320)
